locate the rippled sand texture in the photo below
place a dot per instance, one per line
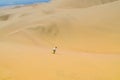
(86, 32)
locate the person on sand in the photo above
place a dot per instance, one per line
(54, 50)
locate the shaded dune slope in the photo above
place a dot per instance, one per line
(4, 17)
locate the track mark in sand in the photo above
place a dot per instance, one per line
(5, 75)
(43, 30)
(32, 38)
(7, 78)
(24, 30)
(16, 31)
(50, 30)
(61, 75)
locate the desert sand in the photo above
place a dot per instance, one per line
(87, 34)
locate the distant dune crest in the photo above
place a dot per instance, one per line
(80, 3)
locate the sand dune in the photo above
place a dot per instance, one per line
(87, 35)
(95, 29)
(79, 3)
(20, 62)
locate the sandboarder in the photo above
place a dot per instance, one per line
(54, 50)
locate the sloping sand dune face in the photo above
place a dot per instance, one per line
(80, 3)
(20, 62)
(93, 29)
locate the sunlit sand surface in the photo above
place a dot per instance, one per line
(87, 36)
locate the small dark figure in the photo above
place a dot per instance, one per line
(54, 50)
